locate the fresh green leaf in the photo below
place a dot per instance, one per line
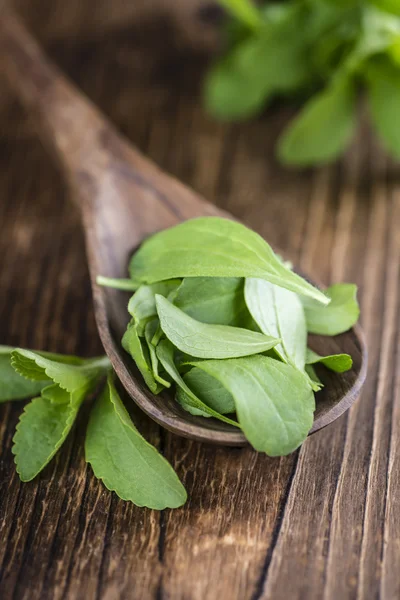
(323, 128)
(126, 463)
(46, 421)
(335, 362)
(150, 330)
(208, 341)
(260, 66)
(42, 429)
(140, 354)
(12, 385)
(339, 316)
(224, 84)
(245, 11)
(209, 390)
(53, 393)
(274, 402)
(69, 377)
(213, 300)
(142, 305)
(391, 6)
(165, 353)
(384, 100)
(314, 379)
(279, 313)
(240, 84)
(118, 284)
(214, 247)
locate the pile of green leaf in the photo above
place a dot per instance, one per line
(322, 50)
(118, 454)
(215, 312)
(220, 316)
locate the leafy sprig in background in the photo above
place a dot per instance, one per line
(322, 51)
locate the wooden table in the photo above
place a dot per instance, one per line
(321, 523)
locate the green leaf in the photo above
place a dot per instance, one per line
(69, 377)
(46, 421)
(53, 393)
(165, 353)
(126, 463)
(339, 316)
(314, 379)
(335, 362)
(274, 402)
(208, 341)
(150, 330)
(384, 100)
(209, 390)
(258, 67)
(12, 385)
(42, 429)
(391, 6)
(213, 300)
(245, 11)
(214, 247)
(118, 284)
(142, 305)
(140, 354)
(323, 128)
(279, 313)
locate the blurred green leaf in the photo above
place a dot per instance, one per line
(391, 6)
(240, 84)
(384, 100)
(323, 128)
(245, 11)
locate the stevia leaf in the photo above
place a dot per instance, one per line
(223, 87)
(126, 285)
(245, 11)
(391, 6)
(384, 101)
(125, 462)
(142, 305)
(274, 402)
(335, 362)
(259, 66)
(12, 385)
(140, 354)
(70, 377)
(53, 393)
(323, 128)
(209, 390)
(213, 300)
(41, 431)
(214, 247)
(47, 420)
(279, 313)
(165, 353)
(339, 316)
(150, 330)
(314, 379)
(208, 341)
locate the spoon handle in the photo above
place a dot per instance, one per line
(69, 124)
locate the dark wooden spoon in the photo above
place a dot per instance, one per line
(123, 197)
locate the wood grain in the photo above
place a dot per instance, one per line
(322, 523)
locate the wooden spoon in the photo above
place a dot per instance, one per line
(123, 197)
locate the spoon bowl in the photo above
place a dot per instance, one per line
(123, 198)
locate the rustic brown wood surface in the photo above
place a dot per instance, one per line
(322, 523)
